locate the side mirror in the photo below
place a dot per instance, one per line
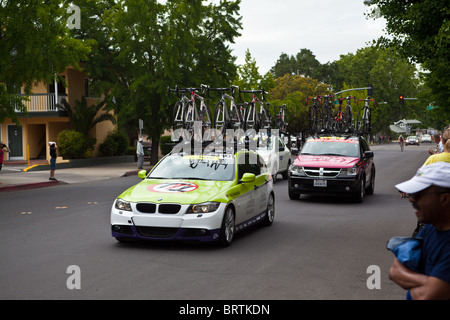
(248, 177)
(142, 174)
(368, 154)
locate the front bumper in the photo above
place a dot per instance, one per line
(342, 185)
(158, 226)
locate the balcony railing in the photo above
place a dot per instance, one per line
(42, 102)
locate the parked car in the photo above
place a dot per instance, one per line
(412, 140)
(196, 197)
(333, 165)
(426, 138)
(276, 155)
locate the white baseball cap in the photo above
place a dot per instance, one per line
(437, 174)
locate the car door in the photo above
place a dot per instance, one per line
(368, 161)
(283, 155)
(246, 204)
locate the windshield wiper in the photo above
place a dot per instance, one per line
(330, 154)
(189, 178)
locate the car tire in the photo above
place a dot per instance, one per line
(274, 174)
(358, 196)
(286, 173)
(270, 211)
(371, 189)
(293, 195)
(228, 227)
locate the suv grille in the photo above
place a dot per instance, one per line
(321, 172)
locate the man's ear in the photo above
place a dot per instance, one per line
(445, 198)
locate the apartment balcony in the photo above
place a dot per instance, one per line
(42, 103)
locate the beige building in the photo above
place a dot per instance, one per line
(44, 121)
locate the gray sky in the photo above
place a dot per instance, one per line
(328, 28)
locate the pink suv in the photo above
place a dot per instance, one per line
(333, 165)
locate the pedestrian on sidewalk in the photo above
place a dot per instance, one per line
(3, 149)
(53, 156)
(140, 153)
(429, 194)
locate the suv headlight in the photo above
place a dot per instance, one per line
(296, 170)
(349, 171)
(203, 207)
(123, 205)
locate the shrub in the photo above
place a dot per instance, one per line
(72, 144)
(115, 144)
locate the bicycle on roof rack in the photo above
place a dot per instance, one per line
(314, 114)
(364, 119)
(186, 112)
(327, 113)
(348, 114)
(227, 117)
(254, 118)
(281, 123)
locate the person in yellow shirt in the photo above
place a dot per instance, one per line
(444, 156)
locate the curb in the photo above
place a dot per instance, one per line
(18, 187)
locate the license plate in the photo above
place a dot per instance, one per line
(320, 183)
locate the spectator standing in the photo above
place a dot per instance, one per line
(140, 153)
(53, 157)
(429, 194)
(444, 155)
(3, 149)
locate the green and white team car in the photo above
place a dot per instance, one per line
(196, 197)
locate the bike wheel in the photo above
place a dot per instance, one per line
(189, 118)
(348, 118)
(205, 116)
(367, 120)
(178, 124)
(266, 119)
(326, 120)
(251, 117)
(220, 119)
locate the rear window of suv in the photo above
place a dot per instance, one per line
(331, 147)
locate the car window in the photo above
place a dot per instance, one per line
(213, 168)
(346, 148)
(250, 163)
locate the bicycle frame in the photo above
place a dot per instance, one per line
(227, 117)
(255, 119)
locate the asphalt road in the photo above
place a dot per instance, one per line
(317, 248)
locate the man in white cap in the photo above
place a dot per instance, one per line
(140, 153)
(429, 194)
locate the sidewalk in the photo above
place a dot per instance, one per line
(13, 177)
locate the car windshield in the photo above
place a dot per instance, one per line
(331, 147)
(194, 167)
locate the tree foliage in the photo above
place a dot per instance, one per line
(420, 30)
(35, 44)
(142, 47)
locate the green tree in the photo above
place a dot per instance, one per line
(35, 44)
(390, 74)
(248, 74)
(293, 90)
(146, 46)
(420, 31)
(304, 63)
(85, 117)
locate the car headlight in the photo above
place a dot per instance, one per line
(203, 207)
(296, 169)
(123, 205)
(349, 171)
